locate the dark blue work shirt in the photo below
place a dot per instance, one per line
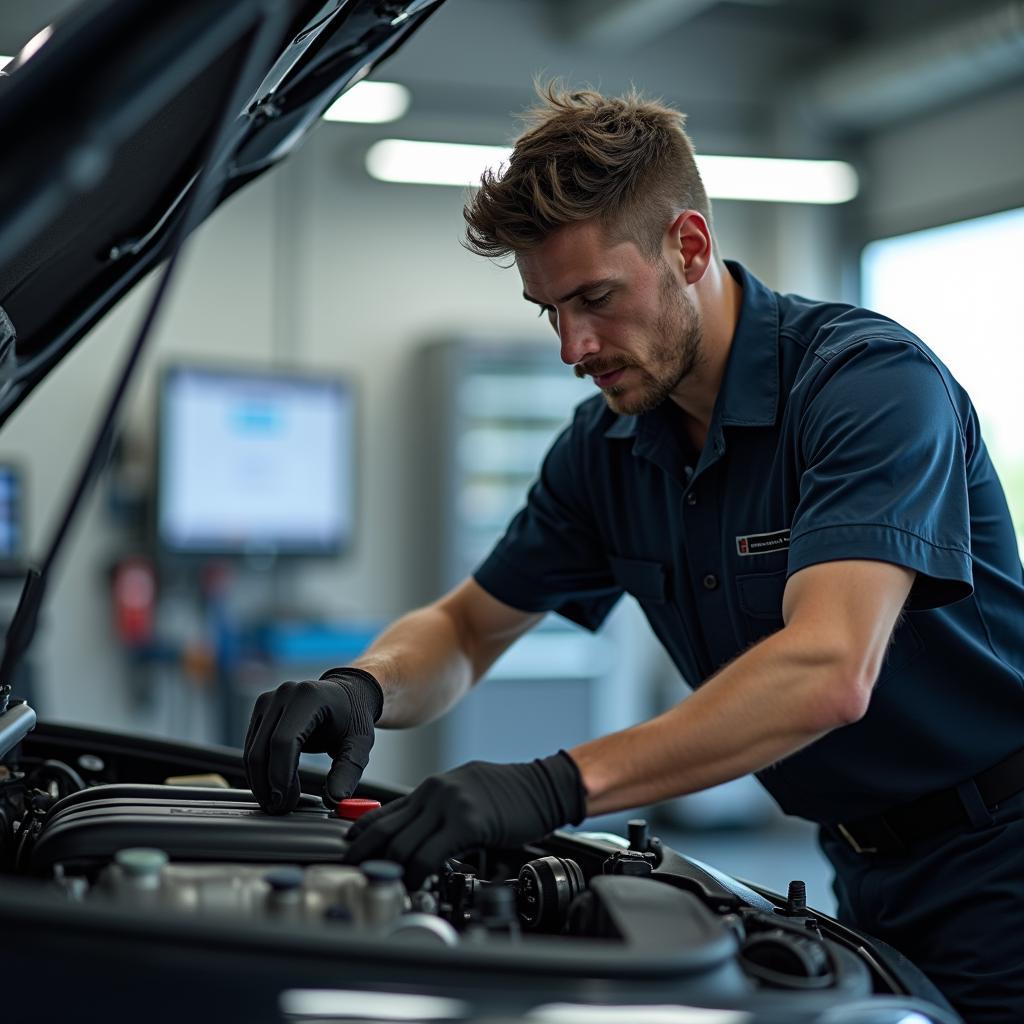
(837, 434)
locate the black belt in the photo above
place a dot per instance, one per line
(901, 827)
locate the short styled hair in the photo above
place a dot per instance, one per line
(624, 160)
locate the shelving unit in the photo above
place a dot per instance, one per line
(492, 410)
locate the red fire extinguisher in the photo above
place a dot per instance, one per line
(134, 601)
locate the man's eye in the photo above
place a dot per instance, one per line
(598, 302)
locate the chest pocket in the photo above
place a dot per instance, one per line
(759, 595)
(646, 581)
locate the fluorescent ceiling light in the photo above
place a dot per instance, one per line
(760, 179)
(370, 103)
(4, 61)
(778, 181)
(432, 163)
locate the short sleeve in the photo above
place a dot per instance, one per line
(883, 470)
(552, 557)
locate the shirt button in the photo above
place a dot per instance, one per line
(691, 498)
(711, 581)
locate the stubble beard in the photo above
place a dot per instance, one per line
(673, 355)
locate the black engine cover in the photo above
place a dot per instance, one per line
(86, 829)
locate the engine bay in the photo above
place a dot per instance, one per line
(192, 850)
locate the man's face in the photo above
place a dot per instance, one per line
(622, 320)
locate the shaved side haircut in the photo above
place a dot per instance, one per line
(625, 161)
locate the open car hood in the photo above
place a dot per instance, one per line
(107, 126)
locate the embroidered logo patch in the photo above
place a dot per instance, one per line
(762, 543)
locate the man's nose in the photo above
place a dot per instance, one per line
(576, 337)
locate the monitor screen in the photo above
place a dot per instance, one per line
(11, 549)
(255, 463)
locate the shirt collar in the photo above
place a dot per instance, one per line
(750, 388)
(622, 426)
(749, 396)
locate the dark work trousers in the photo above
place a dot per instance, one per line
(953, 904)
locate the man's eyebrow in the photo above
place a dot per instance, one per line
(585, 287)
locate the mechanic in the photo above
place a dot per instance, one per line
(798, 495)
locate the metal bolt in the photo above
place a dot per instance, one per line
(797, 898)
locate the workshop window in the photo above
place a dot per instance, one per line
(958, 288)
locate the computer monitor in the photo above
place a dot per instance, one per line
(255, 463)
(11, 533)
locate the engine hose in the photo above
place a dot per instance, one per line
(23, 833)
(72, 781)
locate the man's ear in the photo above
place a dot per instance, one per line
(690, 245)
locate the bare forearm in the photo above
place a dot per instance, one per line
(421, 665)
(776, 698)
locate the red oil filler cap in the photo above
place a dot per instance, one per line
(355, 807)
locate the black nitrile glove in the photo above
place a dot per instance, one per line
(333, 715)
(476, 804)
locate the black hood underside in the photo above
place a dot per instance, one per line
(106, 126)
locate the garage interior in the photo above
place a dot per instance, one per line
(320, 271)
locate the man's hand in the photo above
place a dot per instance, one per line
(333, 715)
(476, 804)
